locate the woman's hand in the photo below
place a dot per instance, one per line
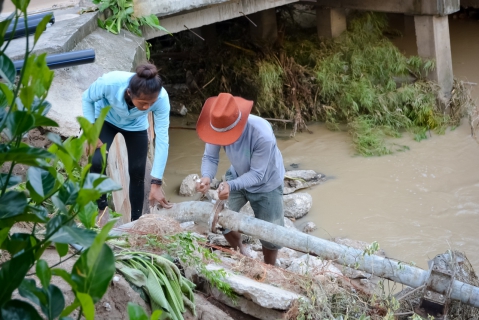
(90, 149)
(157, 194)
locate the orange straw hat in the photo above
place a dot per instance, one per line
(223, 119)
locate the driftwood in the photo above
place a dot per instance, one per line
(118, 171)
(296, 240)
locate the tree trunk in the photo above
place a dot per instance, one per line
(294, 239)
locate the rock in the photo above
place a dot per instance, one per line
(297, 205)
(187, 225)
(307, 264)
(289, 224)
(188, 185)
(212, 195)
(309, 227)
(264, 295)
(205, 310)
(217, 240)
(177, 108)
(300, 179)
(286, 256)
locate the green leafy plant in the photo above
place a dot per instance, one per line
(58, 194)
(122, 15)
(135, 312)
(161, 279)
(188, 249)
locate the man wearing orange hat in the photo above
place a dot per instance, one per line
(257, 171)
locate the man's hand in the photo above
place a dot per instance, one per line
(203, 185)
(157, 194)
(223, 191)
(90, 149)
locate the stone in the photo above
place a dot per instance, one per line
(300, 179)
(212, 195)
(187, 225)
(309, 227)
(289, 224)
(217, 240)
(205, 310)
(188, 185)
(307, 264)
(297, 205)
(264, 295)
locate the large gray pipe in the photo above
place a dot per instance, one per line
(294, 239)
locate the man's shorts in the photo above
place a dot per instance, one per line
(267, 206)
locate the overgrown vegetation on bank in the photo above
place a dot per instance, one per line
(359, 81)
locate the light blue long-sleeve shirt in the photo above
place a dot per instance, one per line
(109, 90)
(255, 158)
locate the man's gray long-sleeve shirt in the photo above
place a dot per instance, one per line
(255, 158)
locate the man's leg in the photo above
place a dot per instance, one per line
(268, 206)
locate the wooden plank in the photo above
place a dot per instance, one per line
(118, 171)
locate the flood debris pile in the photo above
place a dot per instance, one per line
(359, 82)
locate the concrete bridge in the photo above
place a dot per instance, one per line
(74, 32)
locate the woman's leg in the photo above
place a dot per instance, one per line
(137, 146)
(107, 134)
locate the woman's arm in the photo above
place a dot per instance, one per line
(93, 94)
(162, 122)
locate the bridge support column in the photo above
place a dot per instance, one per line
(331, 22)
(267, 29)
(433, 42)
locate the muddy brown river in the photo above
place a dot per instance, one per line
(415, 204)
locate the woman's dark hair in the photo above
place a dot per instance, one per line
(146, 80)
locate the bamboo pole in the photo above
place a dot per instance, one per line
(299, 241)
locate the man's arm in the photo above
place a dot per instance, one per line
(260, 158)
(209, 163)
(162, 122)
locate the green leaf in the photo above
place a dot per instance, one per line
(40, 183)
(68, 192)
(65, 276)
(135, 312)
(13, 181)
(21, 5)
(27, 96)
(56, 302)
(62, 249)
(70, 308)
(93, 272)
(156, 315)
(75, 235)
(92, 131)
(24, 155)
(20, 122)
(42, 121)
(13, 272)
(41, 27)
(17, 309)
(3, 235)
(28, 289)
(43, 273)
(12, 203)
(7, 93)
(7, 69)
(88, 214)
(87, 305)
(4, 27)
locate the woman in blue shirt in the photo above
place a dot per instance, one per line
(131, 96)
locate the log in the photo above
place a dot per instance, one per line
(327, 250)
(118, 171)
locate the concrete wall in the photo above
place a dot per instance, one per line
(414, 7)
(205, 15)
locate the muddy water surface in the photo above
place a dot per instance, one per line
(415, 204)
